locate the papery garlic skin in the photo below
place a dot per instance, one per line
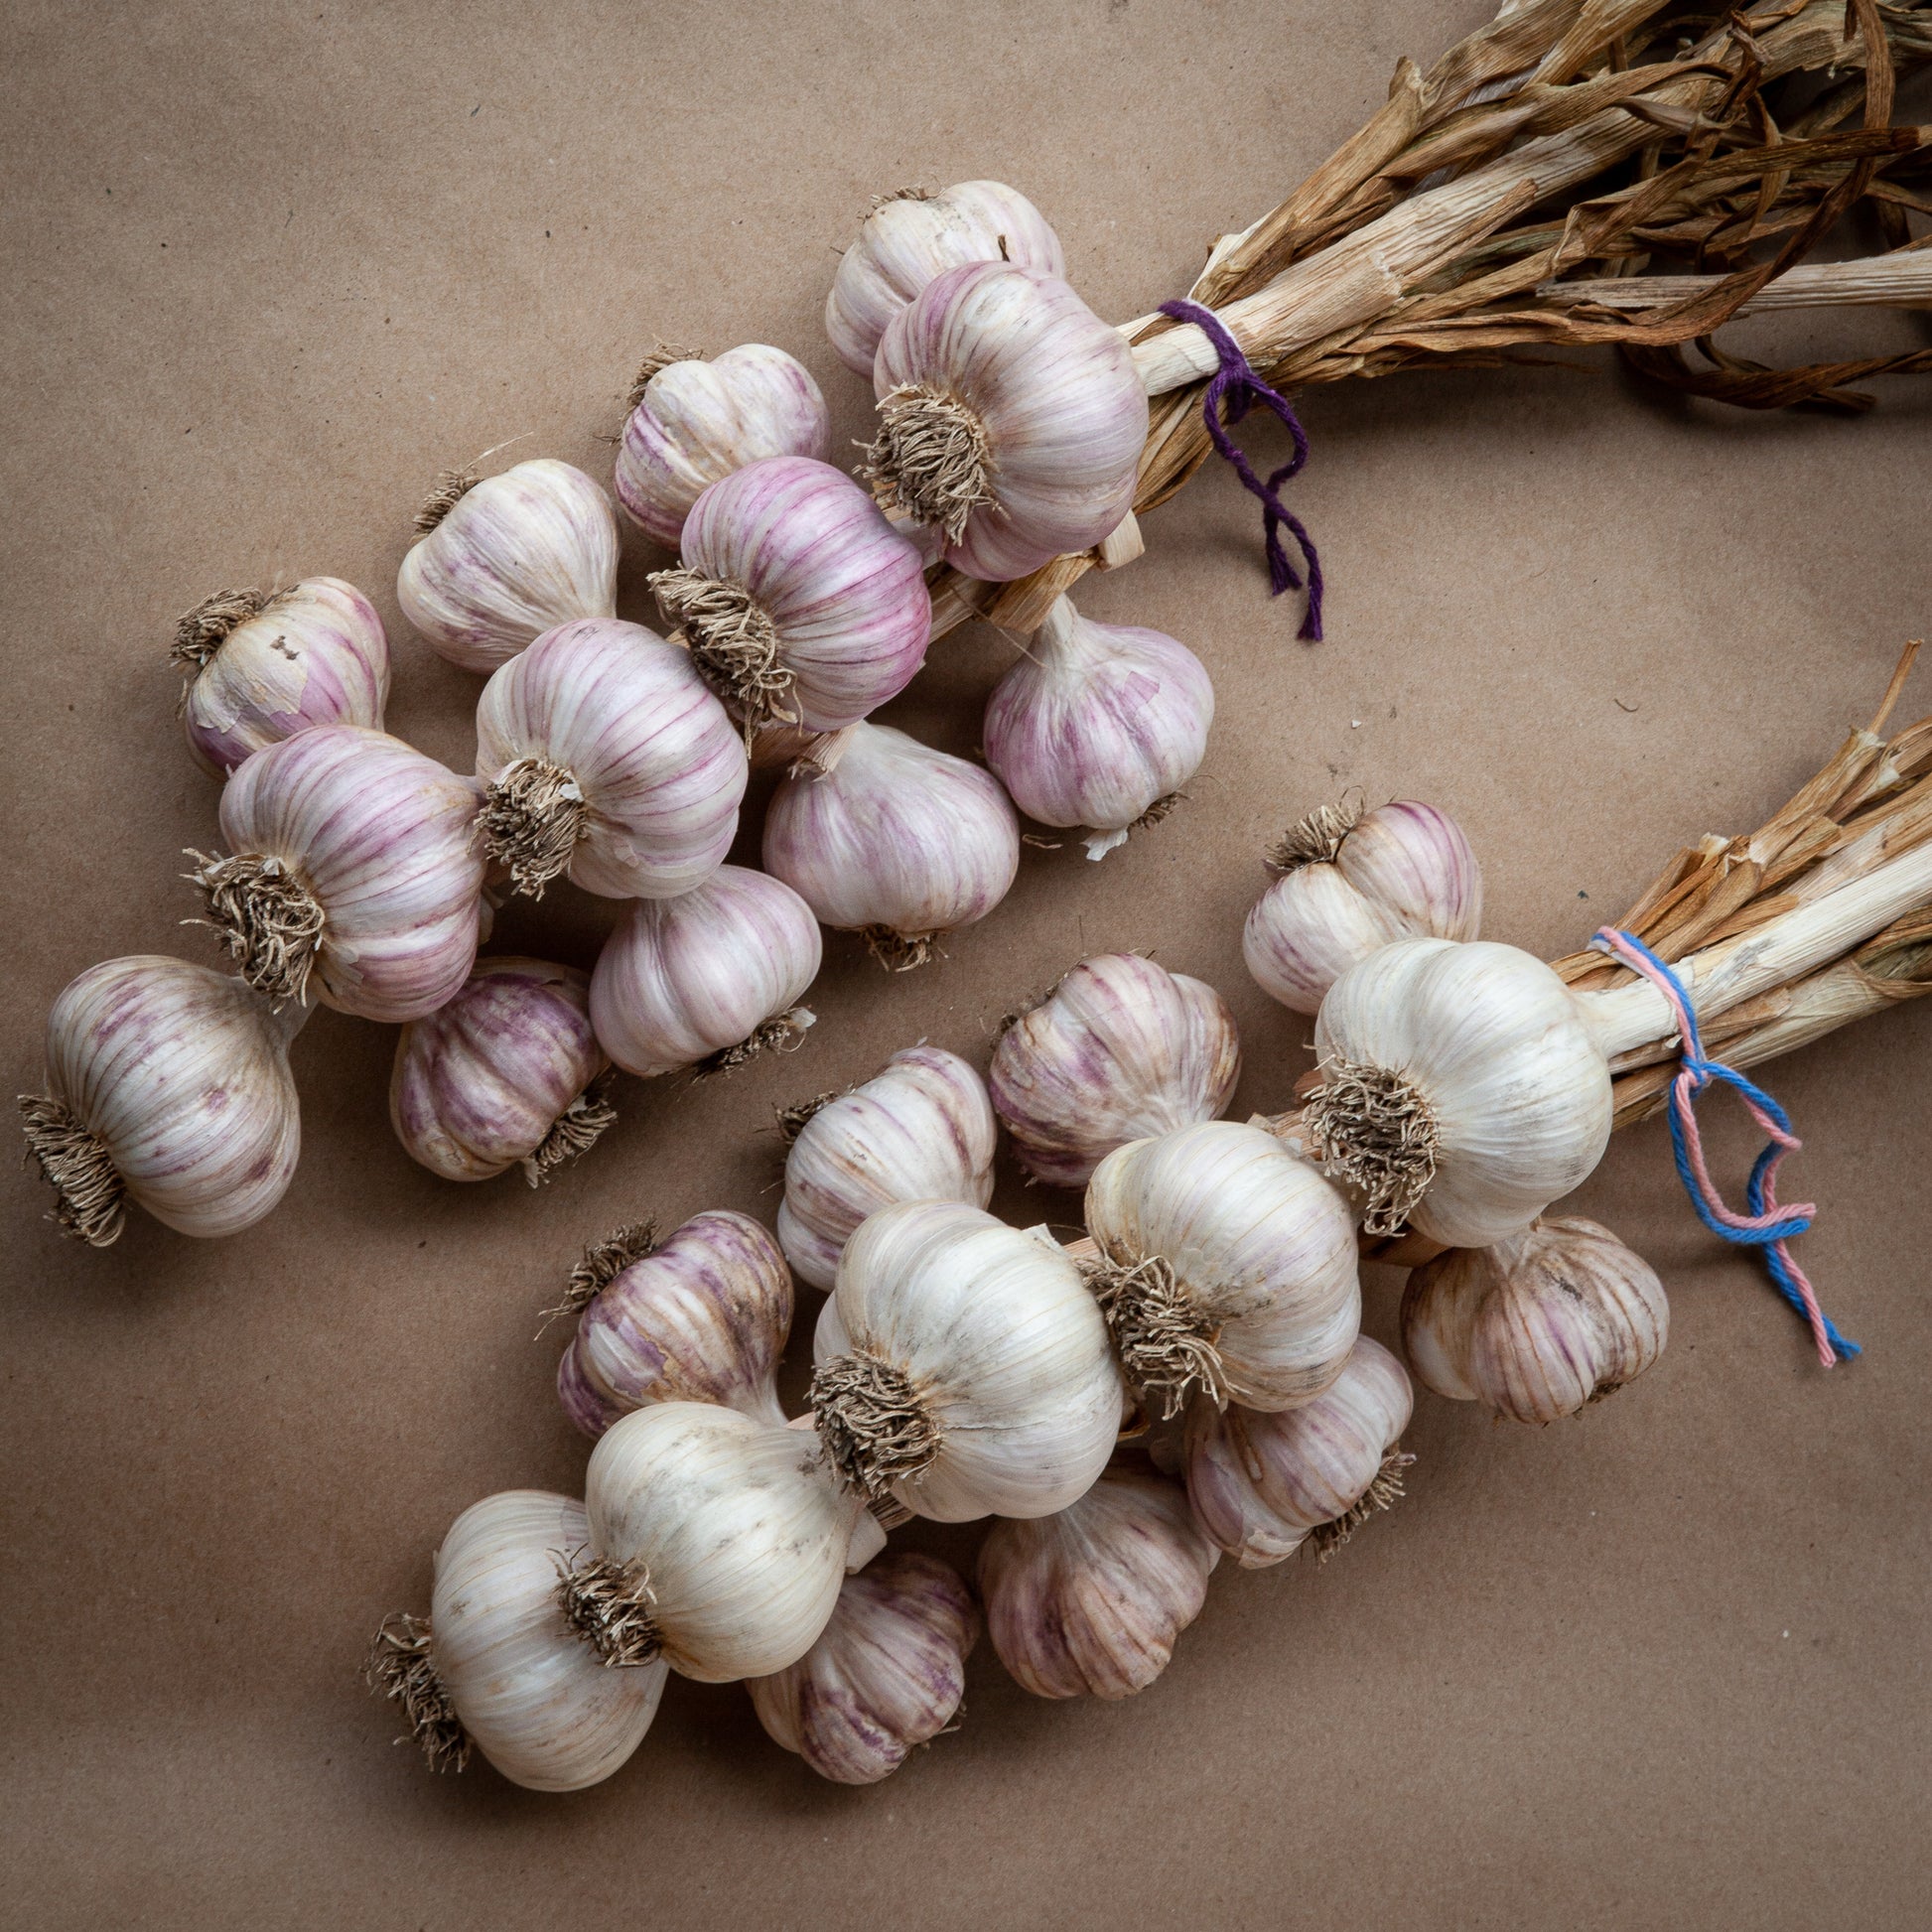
(698, 421)
(910, 238)
(166, 1085)
(1121, 1049)
(1260, 1485)
(1011, 416)
(1098, 724)
(1089, 1602)
(1538, 1326)
(500, 1076)
(703, 1318)
(886, 1675)
(708, 978)
(896, 840)
(1352, 884)
(921, 1129)
(260, 667)
(507, 559)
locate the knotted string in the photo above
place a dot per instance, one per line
(1237, 386)
(1769, 1225)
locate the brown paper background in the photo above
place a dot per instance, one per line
(267, 267)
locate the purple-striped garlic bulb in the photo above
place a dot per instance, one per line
(694, 422)
(702, 1316)
(799, 602)
(1261, 1485)
(500, 560)
(354, 868)
(1089, 1602)
(885, 837)
(921, 1129)
(258, 666)
(1537, 1326)
(509, 1073)
(1099, 725)
(166, 1085)
(606, 760)
(1350, 881)
(1120, 1050)
(1010, 417)
(910, 238)
(886, 1675)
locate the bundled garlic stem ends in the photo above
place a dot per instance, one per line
(166, 1085)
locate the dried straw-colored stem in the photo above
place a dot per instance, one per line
(265, 916)
(90, 1198)
(574, 1132)
(875, 1428)
(400, 1666)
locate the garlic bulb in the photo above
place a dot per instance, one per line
(1010, 418)
(1461, 1090)
(717, 1540)
(921, 1129)
(1353, 882)
(1226, 1263)
(494, 1666)
(353, 862)
(885, 837)
(1120, 1050)
(1089, 1602)
(507, 1073)
(1098, 724)
(911, 237)
(1538, 1326)
(1262, 1485)
(801, 603)
(707, 979)
(606, 760)
(168, 1085)
(499, 561)
(693, 422)
(261, 666)
(886, 1674)
(978, 1380)
(703, 1318)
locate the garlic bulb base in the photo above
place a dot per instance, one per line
(659, 359)
(1316, 839)
(202, 631)
(733, 644)
(399, 1668)
(530, 822)
(601, 1263)
(1165, 1342)
(1374, 1132)
(576, 1130)
(90, 1196)
(783, 1033)
(608, 1605)
(445, 493)
(265, 917)
(899, 952)
(873, 1426)
(930, 459)
(1383, 1493)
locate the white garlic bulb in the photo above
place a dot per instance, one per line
(1538, 1326)
(1353, 882)
(911, 237)
(885, 837)
(1089, 1602)
(261, 666)
(606, 760)
(1098, 724)
(1010, 417)
(353, 862)
(495, 1665)
(1120, 1050)
(1262, 1485)
(886, 1675)
(693, 422)
(1461, 1090)
(1226, 1265)
(168, 1085)
(507, 1073)
(500, 560)
(976, 1378)
(921, 1129)
(700, 1318)
(707, 979)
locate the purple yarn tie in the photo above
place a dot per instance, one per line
(1237, 386)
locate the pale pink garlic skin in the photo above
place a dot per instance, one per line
(1091, 1602)
(384, 839)
(703, 1318)
(1260, 1483)
(1120, 1050)
(698, 421)
(315, 654)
